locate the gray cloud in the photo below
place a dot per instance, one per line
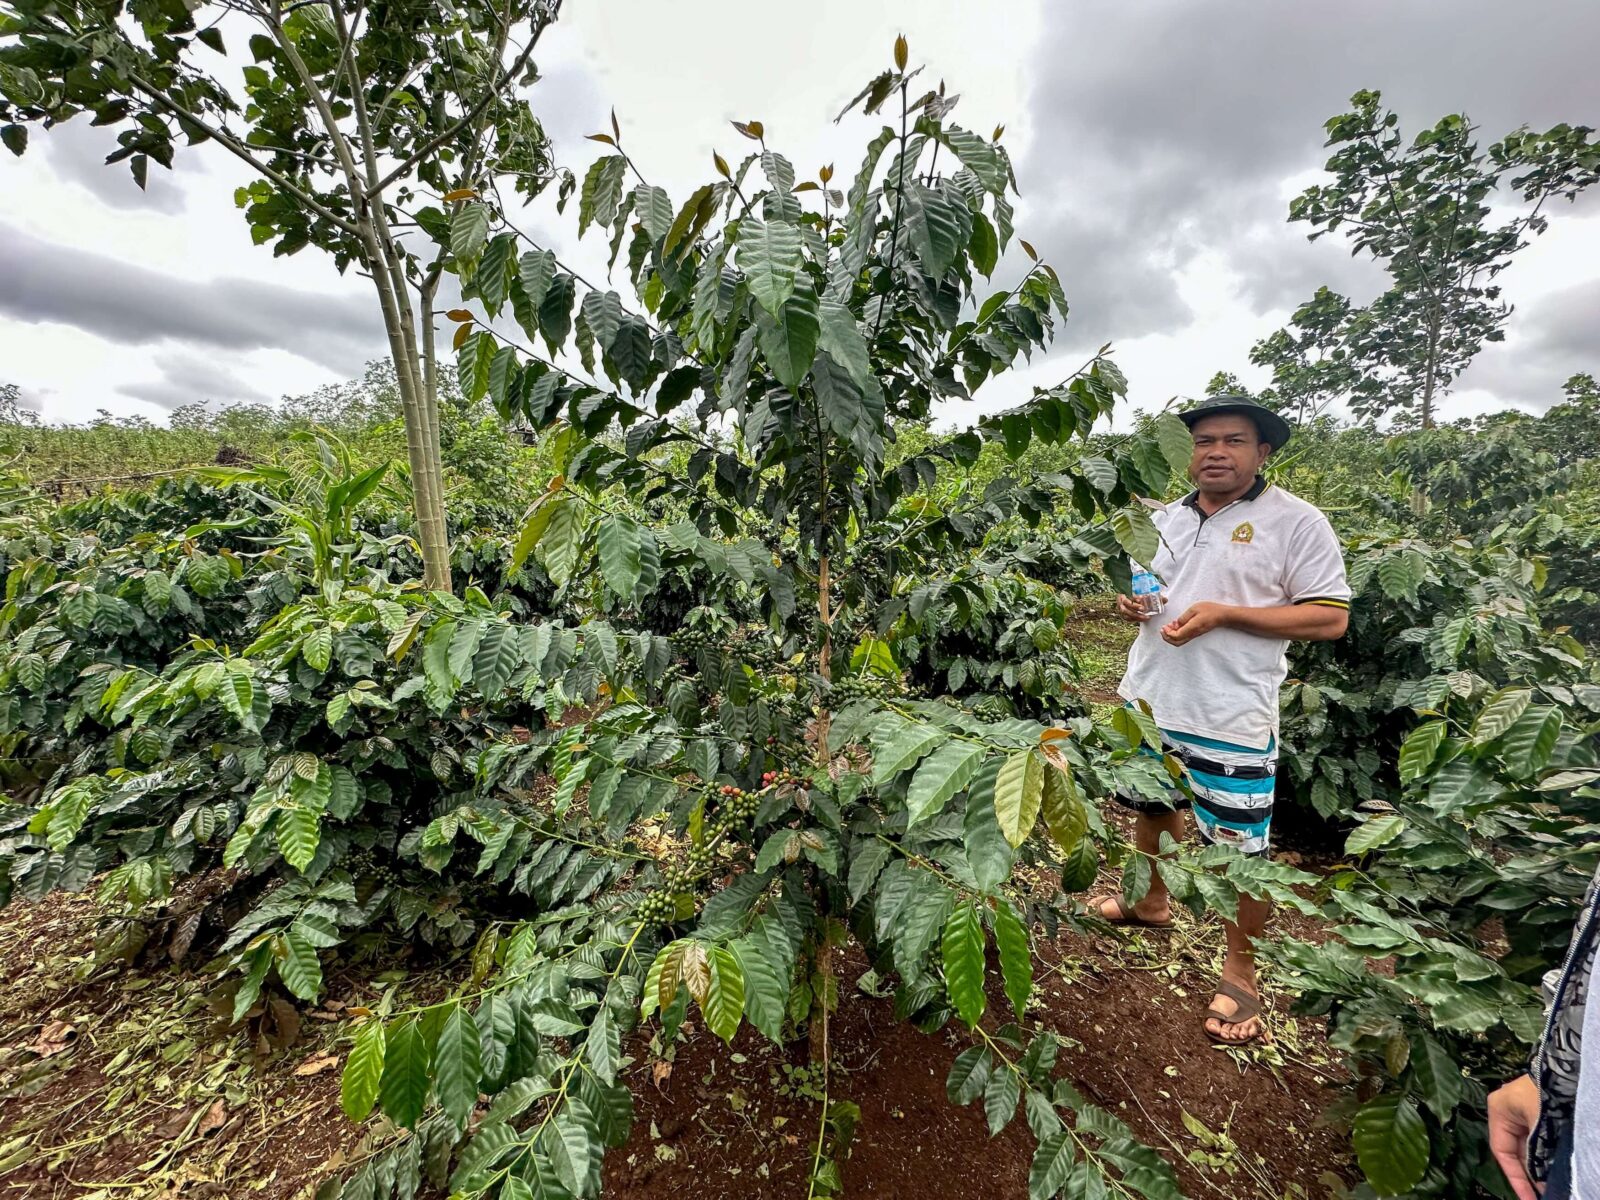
(77, 152)
(1164, 133)
(1548, 342)
(45, 282)
(187, 377)
(570, 104)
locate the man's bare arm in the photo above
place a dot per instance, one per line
(1297, 622)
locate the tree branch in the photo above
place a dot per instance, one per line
(472, 114)
(228, 142)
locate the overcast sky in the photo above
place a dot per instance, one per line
(1157, 146)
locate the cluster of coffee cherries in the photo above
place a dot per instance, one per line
(735, 804)
(865, 687)
(364, 864)
(691, 639)
(738, 804)
(756, 648)
(992, 708)
(657, 908)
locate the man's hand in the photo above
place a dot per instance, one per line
(1130, 609)
(1196, 619)
(1513, 1112)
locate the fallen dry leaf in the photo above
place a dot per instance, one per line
(173, 1125)
(54, 1038)
(213, 1119)
(660, 1071)
(317, 1064)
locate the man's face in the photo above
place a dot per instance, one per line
(1228, 453)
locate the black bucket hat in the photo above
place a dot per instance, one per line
(1274, 429)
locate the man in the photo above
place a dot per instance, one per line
(1545, 1126)
(1245, 568)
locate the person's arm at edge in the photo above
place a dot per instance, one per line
(1513, 1113)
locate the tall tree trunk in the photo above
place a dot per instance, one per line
(1419, 492)
(387, 268)
(421, 452)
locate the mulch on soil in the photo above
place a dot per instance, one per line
(1131, 1030)
(153, 1096)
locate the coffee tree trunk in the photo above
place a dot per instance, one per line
(819, 1023)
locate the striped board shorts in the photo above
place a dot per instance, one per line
(1232, 788)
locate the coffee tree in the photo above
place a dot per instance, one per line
(778, 330)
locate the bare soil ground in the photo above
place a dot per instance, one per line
(126, 1083)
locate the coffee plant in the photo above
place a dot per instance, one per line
(1467, 727)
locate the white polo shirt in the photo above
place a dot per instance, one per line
(1266, 549)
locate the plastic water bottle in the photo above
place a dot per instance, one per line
(1147, 592)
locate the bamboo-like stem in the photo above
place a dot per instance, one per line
(381, 254)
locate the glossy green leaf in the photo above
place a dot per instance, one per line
(969, 1074)
(940, 225)
(1419, 749)
(1500, 714)
(769, 254)
(497, 657)
(1052, 1163)
(963, 962)
(940, 776)
(620, 548)
(358, 1086)
(403, 1086)
(1081, 868)
(298, 830)
(1000, 1097)
(469, 229)
(557, 550)
(1371, 834)
(457, 1065)
(1018, 791)
(723, 1003)
(299, 967)
(1391, 1144)
(1064, 814)
(601, 191)
(789, 339)
(1135, 533)
(766, 992)
(1016, 956)
(901, 748)
(317, 647)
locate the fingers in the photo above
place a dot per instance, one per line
(1129, 610)
(1516, 1174)
(1508, 1133)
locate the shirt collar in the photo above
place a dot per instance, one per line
(1192, 500)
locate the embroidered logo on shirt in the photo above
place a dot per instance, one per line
(1244, 533)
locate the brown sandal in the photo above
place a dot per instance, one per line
(1125, 916)
(1248, 1007)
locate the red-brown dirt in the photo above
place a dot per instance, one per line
(154, 1097)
